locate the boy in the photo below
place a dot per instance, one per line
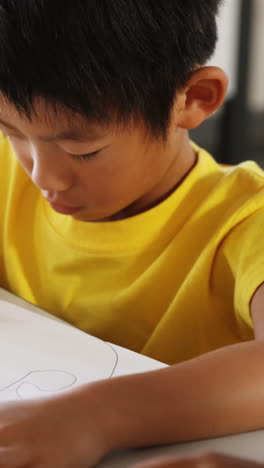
(118, 224)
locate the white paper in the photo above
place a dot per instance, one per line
(40, 356)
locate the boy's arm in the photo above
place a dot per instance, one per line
(218, 393)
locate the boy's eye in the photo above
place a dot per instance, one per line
(83, 157)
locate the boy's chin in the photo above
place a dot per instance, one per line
(100, 218)
(87, 217)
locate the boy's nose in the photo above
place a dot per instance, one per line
(50, 176)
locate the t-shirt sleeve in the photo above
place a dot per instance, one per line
(244, 251)
(7, 162)
(5, 174)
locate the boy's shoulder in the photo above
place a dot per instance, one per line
(247, 175)
(7, 155)
(227, 194)
(8, 160)
(13, 178)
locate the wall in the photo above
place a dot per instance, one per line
(257, 58)
(227, 47)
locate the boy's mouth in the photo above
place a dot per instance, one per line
(67, 210)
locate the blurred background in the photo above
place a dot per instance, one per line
(236, 133)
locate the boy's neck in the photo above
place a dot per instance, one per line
(181, 166)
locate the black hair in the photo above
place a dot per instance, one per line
(104, 58)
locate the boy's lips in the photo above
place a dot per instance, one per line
(63, 209)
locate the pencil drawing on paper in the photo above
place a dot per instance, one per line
(36, 383)
(39, 383)
(35, 364)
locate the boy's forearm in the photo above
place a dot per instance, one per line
(218, 393)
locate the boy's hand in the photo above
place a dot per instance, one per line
(207, 460)
(51, 433)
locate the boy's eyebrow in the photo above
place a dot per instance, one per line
(71, 134)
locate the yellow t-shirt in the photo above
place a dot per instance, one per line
(172, 283)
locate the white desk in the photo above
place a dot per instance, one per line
(248, 445)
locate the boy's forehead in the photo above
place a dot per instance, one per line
(50, 122)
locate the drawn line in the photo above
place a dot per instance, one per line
(23, 380)
(37, 372)
(117, 359)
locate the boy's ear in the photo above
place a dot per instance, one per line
(202, 96)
